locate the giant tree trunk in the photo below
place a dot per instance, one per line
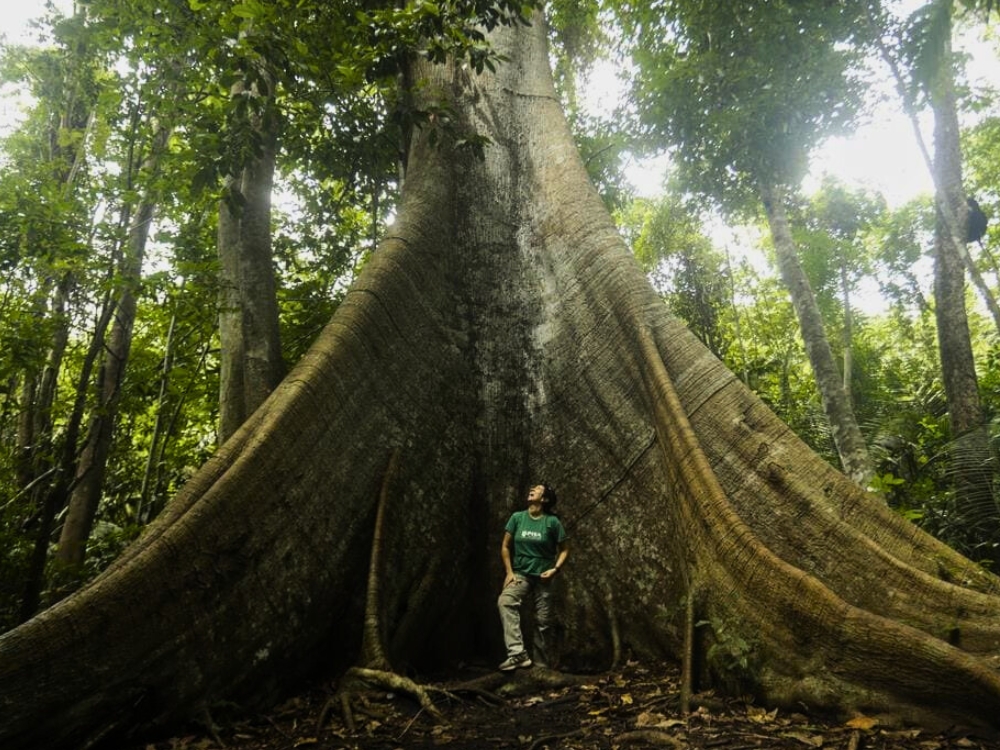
(503, 333)
(847, 437)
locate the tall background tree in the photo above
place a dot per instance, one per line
(926, 68)
(500, 332)
(742, 91)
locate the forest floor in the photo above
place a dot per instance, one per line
(637, 706)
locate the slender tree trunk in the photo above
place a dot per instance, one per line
(232, 402)
(985, 293)
(39, 392)
(88, 484)
(974, 461)
(251, 363)
(57, 490)
(501, 333)
(158, 484)
(991, 259)
(89, 479)
(41, 467)
(737, 322)
(25, 432)
(970, 452)
(836, 402)
(945, 169)
(155, 456)
(845, 291)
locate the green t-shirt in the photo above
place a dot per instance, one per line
(536, 542)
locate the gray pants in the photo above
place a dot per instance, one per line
(510, 601)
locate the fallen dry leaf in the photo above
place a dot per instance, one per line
(761, 715)
(601, 713)
(813, 740)
(649, 719)
(671, 723)
(862, 722)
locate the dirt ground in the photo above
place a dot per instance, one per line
(636, 706)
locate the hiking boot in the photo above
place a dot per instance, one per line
(517, 660)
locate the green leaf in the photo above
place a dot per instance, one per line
(243, 10)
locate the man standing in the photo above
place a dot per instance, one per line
(533, 551)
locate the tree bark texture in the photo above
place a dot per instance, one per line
(250, 359)
(158, 441)
(970, 453)
(845, 298)
(847, 437)
(501, 335)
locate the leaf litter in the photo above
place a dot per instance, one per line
(636, 706)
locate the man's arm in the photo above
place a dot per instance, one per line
(561, 556)
(505, 556)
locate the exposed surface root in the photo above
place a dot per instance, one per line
(393, 681)
(520, 682)
(360, 679)
(863, 659)
(549, 740)
(631, 708)
(378, 673)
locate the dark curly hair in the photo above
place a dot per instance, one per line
(549, 498)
